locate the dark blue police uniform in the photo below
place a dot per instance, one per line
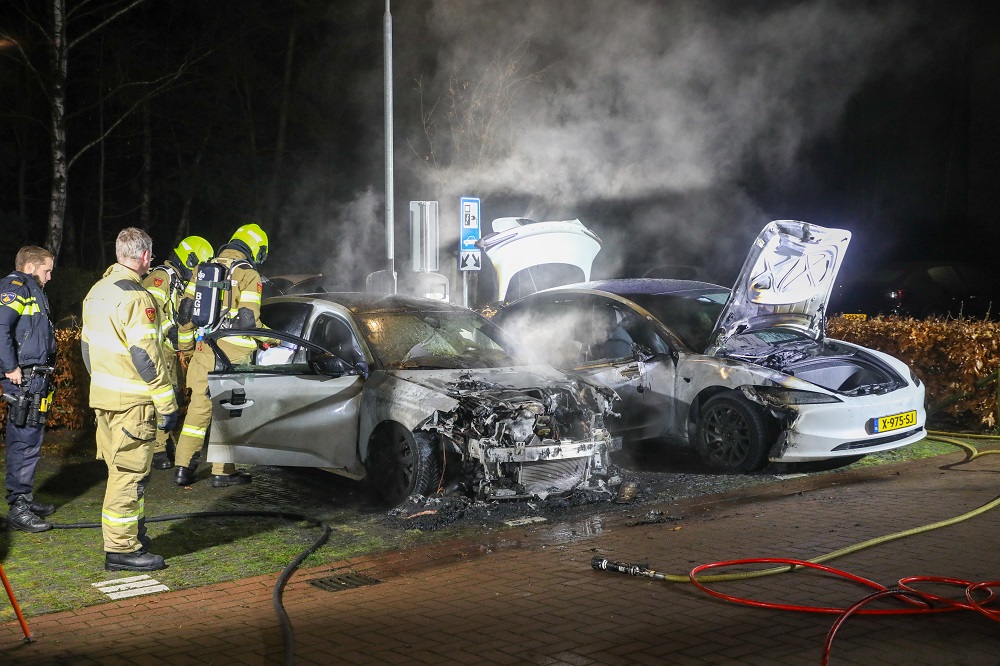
(27, 339)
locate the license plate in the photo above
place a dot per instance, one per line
(859, 317)
(894, 422)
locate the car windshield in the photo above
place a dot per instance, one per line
(441, 339)
(690, 316)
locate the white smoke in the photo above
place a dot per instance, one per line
(644, 122)
(647, 98)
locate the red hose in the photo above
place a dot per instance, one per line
(920, 602)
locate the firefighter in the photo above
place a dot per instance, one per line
(167, 283)
(27, 343)
(123, 350)
(246, 250)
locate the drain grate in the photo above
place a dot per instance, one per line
(347, 581)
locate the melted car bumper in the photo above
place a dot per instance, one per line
(491, 451)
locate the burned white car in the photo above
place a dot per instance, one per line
(745, 375)
(416, 396)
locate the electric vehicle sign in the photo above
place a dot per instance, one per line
(469, 256)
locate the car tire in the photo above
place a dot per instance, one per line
(403, 463)
(732, 434)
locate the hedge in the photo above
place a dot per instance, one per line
(72, 384)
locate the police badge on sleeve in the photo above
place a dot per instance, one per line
(7, 298)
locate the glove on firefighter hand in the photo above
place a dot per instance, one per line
(172, 336)
(168, 422)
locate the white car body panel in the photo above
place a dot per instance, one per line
(515, 246)
(786, 280)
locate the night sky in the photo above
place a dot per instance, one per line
(675, 130)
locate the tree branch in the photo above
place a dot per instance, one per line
(147, 96)
(100, 26)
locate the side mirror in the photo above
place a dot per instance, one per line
(329, 365)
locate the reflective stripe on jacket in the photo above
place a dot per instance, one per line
(26, 333)
(123, 345)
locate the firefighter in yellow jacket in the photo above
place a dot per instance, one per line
(123, 351)
(246, 250)
(167, 283)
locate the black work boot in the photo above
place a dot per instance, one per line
(186, 475)
(41, 510)
(21, 518)
(140, 560)
(236, 479)
(164, 459)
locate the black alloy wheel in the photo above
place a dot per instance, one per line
(732, 434)
(403, 463)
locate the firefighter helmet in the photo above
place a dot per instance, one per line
(194, 250)
(255, 239)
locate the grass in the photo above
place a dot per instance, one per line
(54, 570)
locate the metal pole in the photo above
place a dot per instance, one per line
(389, 240)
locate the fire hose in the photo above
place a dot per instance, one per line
(919, 602)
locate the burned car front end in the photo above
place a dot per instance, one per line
(518, 434)
(498, 430)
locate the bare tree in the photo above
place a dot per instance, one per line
(92, 17)
(468, 128)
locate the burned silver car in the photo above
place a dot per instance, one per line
(414, 395)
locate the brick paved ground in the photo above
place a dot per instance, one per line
(529, 596)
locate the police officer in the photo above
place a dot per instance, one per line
(123, 350)
(246, 250)
(27, 340)
(167, 283)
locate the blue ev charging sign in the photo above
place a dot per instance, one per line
(469, 256)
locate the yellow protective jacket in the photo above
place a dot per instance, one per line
(167, 283)
(241, 302)
(122, 345)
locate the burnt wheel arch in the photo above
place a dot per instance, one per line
(402, 463)
(733, 434)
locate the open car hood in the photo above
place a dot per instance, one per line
(518, 243)
(785, 282)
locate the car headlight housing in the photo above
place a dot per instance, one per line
(786, 397)
(914, 378)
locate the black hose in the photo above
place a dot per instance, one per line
(287, 632)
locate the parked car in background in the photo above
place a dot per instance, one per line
(745, 376)
(411, 394)
(918, 289)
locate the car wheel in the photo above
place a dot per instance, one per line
(732, 434)
(403, 463)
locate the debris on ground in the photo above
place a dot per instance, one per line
(430, 513)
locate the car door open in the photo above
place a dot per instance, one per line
(290, 413)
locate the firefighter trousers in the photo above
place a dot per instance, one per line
(125, 443)
(199, 411)
(175, 372)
